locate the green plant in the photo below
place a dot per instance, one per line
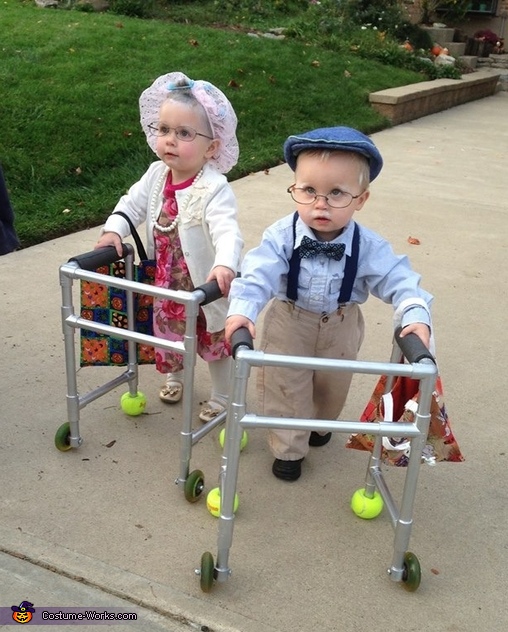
(133, 8)
(384, 15)
(418, 38)
(261, 7)
(452, 10)
(341, 27)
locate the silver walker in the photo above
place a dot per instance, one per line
(82, 267)
(405, 566)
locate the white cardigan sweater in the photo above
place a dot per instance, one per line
(208, 226)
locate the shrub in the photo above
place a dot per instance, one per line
(133, 8)
(384, 15)
(419, 38)
(341, 26)
(262, 8)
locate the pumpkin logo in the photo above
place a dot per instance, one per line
(23, 613)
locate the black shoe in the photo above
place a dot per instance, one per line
(316, 440)
(287, 470)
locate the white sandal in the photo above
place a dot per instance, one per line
(172, 391)
(211, 410)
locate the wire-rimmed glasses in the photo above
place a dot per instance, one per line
(335, 199)
(182, 132)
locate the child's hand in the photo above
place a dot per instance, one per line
(224, 276)
(236, 322)
(420, 329)
(110, 239)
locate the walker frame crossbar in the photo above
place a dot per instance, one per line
(404, 567)
(82, 267)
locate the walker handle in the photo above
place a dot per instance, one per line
(241, 338)
(211, 290)
(412, 347)
(101, 257)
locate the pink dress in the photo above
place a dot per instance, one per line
(172, 272)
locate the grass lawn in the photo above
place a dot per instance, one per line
(71, 142)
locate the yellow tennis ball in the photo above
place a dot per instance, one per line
(133, 405)
(213, 502)
(243, 443)
(366, 508)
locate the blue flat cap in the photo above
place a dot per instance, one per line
(341, 138)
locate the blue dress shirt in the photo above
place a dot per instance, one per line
(380, 273)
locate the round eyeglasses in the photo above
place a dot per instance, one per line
(182, 132)
(335, 199)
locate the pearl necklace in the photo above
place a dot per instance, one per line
(155, 198)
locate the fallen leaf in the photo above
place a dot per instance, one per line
(193, 42)
(78, 171)
(233, 84)
(434, 571)
(267, 172)
(414, 241)
(315, 63)
(127, 134)
(347, 73)
(119, 25)
(66, 210)
(111, 444)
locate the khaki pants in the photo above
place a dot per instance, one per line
(302, 393)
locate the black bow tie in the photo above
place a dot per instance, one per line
(311, 248)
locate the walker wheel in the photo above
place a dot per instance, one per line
(412, 574)
(62, 437)
(194, 486)
(207, 572)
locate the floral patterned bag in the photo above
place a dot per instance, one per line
(108, 305)
(401, 404)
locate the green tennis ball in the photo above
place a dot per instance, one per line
(133, 405)
(213, 502)
(243, 442)
(366, 508)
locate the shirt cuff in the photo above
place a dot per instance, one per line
(415, 314)
(241, 307)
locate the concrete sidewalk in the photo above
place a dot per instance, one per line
(105, 522)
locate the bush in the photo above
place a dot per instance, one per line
(418, 38)
(134, 8)
(384, 15)
(342, 27)
(262, 8)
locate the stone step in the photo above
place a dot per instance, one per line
(469, 60)
(440, 35)
(456, 49)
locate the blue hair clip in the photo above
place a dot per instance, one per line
(174, 86)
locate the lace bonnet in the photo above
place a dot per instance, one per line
(219, 111)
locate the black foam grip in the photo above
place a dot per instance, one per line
(412, 347)
(241, 338)
(100, 257)
(211, 291)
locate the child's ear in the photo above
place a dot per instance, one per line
(213, 148)
(361, 200)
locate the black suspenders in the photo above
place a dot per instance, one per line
(349, 270)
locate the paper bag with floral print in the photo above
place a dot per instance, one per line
(401, 404)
